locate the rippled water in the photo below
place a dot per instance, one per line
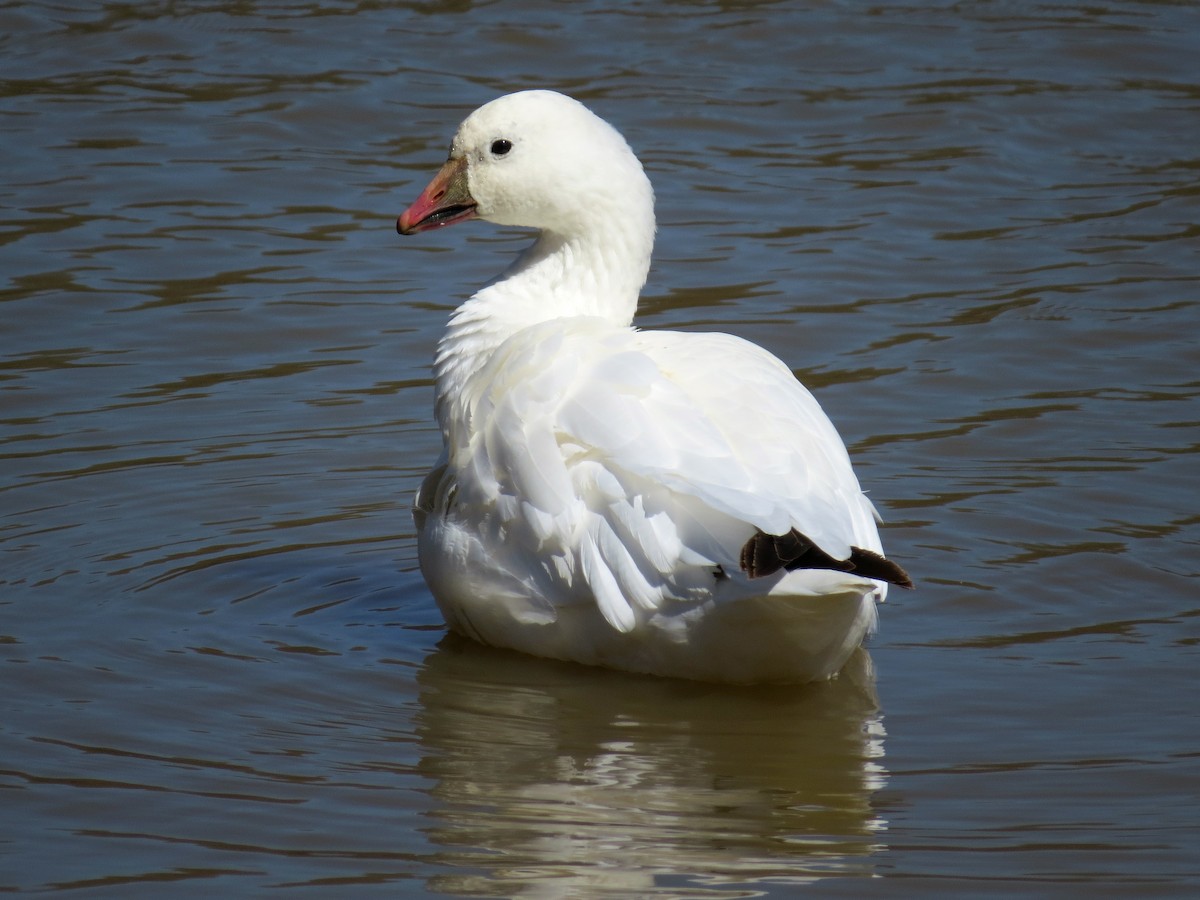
(973, 229)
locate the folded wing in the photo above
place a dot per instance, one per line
(632, 468)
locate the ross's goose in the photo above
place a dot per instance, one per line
(662, 502)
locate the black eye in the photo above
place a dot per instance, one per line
(500, 147)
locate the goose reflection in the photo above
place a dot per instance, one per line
(554, 780)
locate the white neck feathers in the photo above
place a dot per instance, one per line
(597, 273)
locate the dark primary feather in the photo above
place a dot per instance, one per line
(764, 554)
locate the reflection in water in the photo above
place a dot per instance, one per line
(555, 780)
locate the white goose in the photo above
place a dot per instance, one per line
(655, 501)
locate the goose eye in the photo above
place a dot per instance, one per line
(501, 147)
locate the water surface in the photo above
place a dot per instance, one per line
(971, 229)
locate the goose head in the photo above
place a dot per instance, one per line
(538, 159)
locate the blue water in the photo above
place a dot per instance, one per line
(972, 229)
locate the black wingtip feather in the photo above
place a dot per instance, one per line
(871, 565)
(765, 554)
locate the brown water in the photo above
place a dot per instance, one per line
(974, 229)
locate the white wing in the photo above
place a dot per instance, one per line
(628, 466)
